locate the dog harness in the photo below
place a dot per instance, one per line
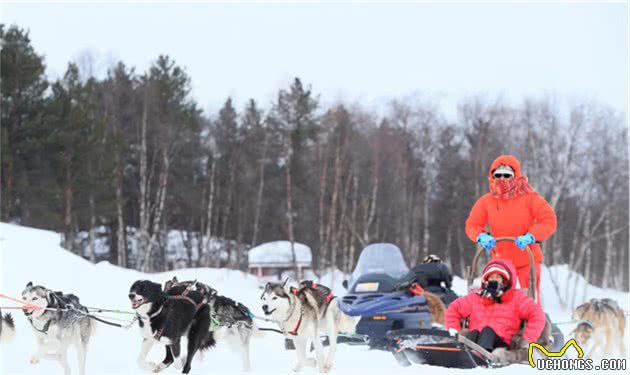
(586, 322)
(59, 304)
(44, 329)
(314, 286)
(297, 326)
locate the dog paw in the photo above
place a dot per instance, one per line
(297, 368)
(179, 362)
(326, 368)
(159, 367)
(148, 366)
(34, 360)
(310, 362)
(502, 355)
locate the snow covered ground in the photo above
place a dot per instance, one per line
(28, 254)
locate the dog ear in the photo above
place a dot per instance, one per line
(287, 288)
(266, 289)
(30, 284)
(49, 297)
(156, 286)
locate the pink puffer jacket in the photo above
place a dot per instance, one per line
(504, 318)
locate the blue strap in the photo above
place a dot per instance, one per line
(585, 322)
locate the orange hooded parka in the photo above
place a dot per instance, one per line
(512, 218)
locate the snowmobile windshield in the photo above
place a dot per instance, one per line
(380, 258)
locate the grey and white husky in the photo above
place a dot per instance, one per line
(601, 327)
(231, 321)
(302, 314)
(59, 321)
(7, 327)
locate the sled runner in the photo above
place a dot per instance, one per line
(437, 347)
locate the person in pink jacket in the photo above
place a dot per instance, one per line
(496, 310)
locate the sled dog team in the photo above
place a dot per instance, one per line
(192, 310)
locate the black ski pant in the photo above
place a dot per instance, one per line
(487, 339)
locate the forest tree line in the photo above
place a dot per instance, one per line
(132, 152)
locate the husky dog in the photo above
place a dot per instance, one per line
(58, 321)
(435, 304)
(7, 327)
(601, 326)
(165, 318)
(230, 321)
(302, 314)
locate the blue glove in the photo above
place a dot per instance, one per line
(486, 241)
(524, 240)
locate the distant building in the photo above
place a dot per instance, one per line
(271, 260)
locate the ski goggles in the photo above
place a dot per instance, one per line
(502, 175)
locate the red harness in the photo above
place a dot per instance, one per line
(296, 292)
(329, 295)
(297, 326)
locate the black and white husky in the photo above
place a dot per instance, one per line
(59, 321)
(302, 314)
(166, 318)
(7, 327)
(231, 321)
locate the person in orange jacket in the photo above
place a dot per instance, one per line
(512, 208)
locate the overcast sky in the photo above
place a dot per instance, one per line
(358, 52)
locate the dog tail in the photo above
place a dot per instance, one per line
(347, 323)
(7, 328)
(436, 306)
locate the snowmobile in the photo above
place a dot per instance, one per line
(378, 293)
(440, 348)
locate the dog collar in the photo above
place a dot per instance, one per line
(585, 322)
(151, 316)
(157, 312)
